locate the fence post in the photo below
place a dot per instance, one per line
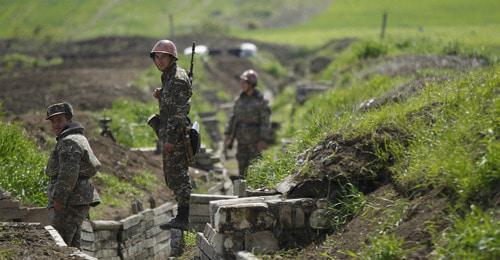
(384, 24)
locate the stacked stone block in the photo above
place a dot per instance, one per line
(255, 224)
(199, 213)
(135, 237)
(11, 210)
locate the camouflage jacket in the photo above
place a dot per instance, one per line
(175, 101)
(70, 166)
(250, 120)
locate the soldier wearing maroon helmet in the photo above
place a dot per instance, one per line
(249, 123)
(174, 97)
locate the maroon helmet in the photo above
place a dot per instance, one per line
(164, 46)
(249, 76)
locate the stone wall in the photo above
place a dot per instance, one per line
(256, 224)
(12, 211)
(135, 237)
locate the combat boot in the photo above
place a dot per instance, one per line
(180, 221)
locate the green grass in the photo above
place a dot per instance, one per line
(85, 19)
(118, 193)
(474, 22)
(474, 236)
(129, 122)
(22, 166)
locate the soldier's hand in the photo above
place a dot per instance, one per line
(168, 148)
(58, 206)
(156, 93)
(261, 146)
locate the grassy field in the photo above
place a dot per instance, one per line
(91, 18)
(474, 22)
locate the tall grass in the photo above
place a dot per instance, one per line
(474, 236)
(22, 166)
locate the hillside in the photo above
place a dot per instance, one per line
(399, 135)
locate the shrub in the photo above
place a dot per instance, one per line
(21, 166)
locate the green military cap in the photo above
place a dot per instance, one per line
(60, 108)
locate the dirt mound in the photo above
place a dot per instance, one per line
(337, 161)
(31, 242)
(411, 64)
(400, 93)
(413, 227)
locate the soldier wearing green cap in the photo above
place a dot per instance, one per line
(71, 165)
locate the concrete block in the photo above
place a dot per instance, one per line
(206, 198)
(262, 242)
(7, 203)
(206, 250)
(12, 214)
(163, 236)
(55, 235)
(101, 235)
(150, 242)
(87, 226)
(131, 221)
(111, 258)
(166, 207)
(215, 240)
(106, 225)
(214, 205)
(87, 236)
(240, 188)
(162, 219)
(88, 246)
(132, 241)
(199, 219)
(38, 215)
(132, 231)
(199, 210)
(152, 232)
(290, 213)
(245, 255)
(243, 216)
(106, 253)
(318, 219)
(162, 249)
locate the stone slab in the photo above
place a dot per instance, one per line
(131, 221)
(245, 216)
(205, 247)
(106, 225)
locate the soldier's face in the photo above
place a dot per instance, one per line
(58, 122)
(245, 87)
(163, 61)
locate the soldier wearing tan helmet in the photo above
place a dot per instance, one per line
(174, 98)
(71, 165)
(249, 123)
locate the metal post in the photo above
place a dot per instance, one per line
(384, 24)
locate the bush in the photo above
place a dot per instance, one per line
(370, 50)
(21, 166)
(476, 236)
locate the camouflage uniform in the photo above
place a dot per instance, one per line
(249, 124)
(69, 168)
(174, 107)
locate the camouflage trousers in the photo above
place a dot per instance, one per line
(175, 171)
(68, 223)
(245, 153)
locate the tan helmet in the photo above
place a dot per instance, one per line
(60, 108)
(250, 76)
(164, 46)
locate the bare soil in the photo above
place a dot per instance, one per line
(31, 242)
